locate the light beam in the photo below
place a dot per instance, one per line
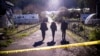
(53, 4)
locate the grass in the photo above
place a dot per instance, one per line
(75, 37)
(27, 33)
(89, 28)
(7, 42)
(85, 32)
(10, 32)
(21, 35)
(1, 29)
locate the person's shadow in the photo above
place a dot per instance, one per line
(38, 43)
(64, 42)
(51, 43)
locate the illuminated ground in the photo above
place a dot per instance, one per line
(29, 41)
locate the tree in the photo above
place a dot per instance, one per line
(92, 5)
(87, 3)
(63, 14)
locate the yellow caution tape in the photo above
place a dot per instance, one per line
(52, 47)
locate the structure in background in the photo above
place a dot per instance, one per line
(25, 18)
(6, 14)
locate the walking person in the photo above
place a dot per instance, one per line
(53, 29)
(64, 26)
(43, 28)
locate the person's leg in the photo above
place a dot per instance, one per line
(64, 34)
(53, 34)
(43, 35)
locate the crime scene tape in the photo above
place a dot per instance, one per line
(52, 47)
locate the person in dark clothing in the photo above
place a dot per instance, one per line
(53, 29)
(43, 28)
(64, 26)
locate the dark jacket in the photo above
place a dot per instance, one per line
(53, 26)
(64, 25)
(43, 26)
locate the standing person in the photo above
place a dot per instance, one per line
(53, 29)
(43, 28)
(64, 26)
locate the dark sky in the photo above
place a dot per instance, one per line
(69, 3)
(66, 3)
(23, 3)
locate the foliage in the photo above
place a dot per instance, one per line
(81, 28)
(22, 35)
(94, 35)
(5, 43)
(8, 32)
(63, 14)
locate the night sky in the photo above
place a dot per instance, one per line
(66, 3)
(69, 3)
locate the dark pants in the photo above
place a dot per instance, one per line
(53, 34)
(43, 35)
(63, 34)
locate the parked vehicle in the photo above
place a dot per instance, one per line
(92, 19)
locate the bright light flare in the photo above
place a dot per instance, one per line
(47, 15)
(53, 4)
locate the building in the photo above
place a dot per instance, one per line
(26, 18)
